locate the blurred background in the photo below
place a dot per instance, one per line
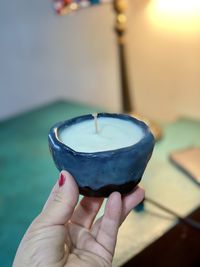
(44, 57)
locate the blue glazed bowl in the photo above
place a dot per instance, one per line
(100, 173)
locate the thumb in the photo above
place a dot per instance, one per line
(61, 202)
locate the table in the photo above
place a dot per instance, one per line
(167, 185)
(27, 174)
(177, 247)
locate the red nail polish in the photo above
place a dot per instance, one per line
(61, 180)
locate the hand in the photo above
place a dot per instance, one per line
(65, 236)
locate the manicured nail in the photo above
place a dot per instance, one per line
(61, 180)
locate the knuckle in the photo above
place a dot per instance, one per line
(58, 198)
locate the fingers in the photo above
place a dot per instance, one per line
(130, 201)
(86, 211)
(61, 202)
(110, 222)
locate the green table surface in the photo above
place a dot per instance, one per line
(27, 174)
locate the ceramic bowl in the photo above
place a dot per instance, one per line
(100, 173)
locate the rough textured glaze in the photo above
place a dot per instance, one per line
(100, 173)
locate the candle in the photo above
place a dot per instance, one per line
(104, 152)
(101, 134)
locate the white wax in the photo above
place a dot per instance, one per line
(113, 133)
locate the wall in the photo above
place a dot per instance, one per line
(44, 57)
(164, 56)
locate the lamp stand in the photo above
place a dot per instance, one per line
(120, 7)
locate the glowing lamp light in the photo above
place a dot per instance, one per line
(178, 15)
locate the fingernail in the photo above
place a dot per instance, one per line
(61, 180)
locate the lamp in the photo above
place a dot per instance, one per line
(64, 7)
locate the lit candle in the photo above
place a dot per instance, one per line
(104, 152)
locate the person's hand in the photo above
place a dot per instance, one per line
(65, 236)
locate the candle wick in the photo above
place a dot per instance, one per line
(95, 122)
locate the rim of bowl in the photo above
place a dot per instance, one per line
(64, 124)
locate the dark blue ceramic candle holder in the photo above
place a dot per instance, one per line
(100, 173)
